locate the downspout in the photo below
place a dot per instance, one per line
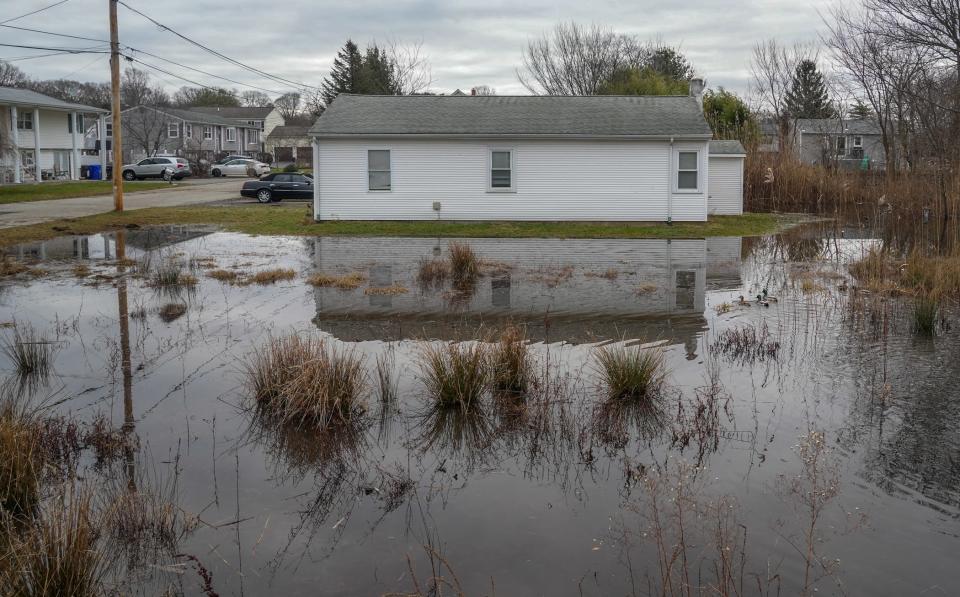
(315, 143)
(670, 184)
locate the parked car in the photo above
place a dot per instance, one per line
(157, 167)
(245, 167)
(282, 185)
(230, 158)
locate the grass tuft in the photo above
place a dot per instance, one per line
(630, 372)
(272, 276)
(223, 275)
(21, 464)
(510, 362)
(433, 272)
(28, 351)
(925, 309)
(454, 374)
(464, 265)
(303, 382)
(393, 290)
(350, 281)
(172, 311)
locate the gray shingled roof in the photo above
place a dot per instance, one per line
(201, 117)
(834, 126)
(727, 148)
(25, 97)
(288, 131)
(513, 116)
(244, 113)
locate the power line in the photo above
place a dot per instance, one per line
(216, 53)
(166, 72)
(105, 41)
(34, 12)
(64, 50)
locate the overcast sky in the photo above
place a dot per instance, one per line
(468, 42)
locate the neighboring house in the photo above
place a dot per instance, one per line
(600, 158)
(854, 143)
(265, 119)
(290, 145)
(41, 138)
(769, 135)
(151, 130)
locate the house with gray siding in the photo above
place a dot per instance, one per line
(598, 158)
(154, 130)
(253, 118)
(847, 143)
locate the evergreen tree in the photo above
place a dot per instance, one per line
(346, 73)
(860, 110)
(807, 97)
(642, 81)
(378, 76)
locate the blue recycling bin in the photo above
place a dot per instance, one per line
(94, 172)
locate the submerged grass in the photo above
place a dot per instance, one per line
(294, 220)
(454, 374)
(303, 382)
(630, 373)
(925, 310)
(350, 281)
(271, 276)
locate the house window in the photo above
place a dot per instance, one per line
(173, 130)
(25, 121)
(231, 134)
(208, 132)
(841, 145)
(378, 169)
(253, 136)
(188, 131)
(688, 170)
(26, 158)
(109, 128)
(70, 123)
(858, 141)
(501, 170)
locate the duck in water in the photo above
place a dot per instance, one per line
(768, 298)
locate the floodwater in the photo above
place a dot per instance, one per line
(548, 503)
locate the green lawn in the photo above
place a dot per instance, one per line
(46, 191)
(295, 219)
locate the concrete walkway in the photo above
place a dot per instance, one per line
(188, 192)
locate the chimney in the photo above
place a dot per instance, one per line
(473, 91)
(697, 85)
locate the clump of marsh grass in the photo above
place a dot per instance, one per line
(432, 272)
(454, 374)
(303, 382)
(464, 265)
(169, 273)
(81, 270)
(28, 351)
(392, 290)
(57, 554)
(223, 275)
(271, 276)
(925, 310)
(630, 372)
(510, 363)
(747, 344)
(21, 464)
(386, 379)
(350, 281)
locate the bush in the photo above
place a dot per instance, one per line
(291, 168)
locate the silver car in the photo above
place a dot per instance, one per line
(157, 167)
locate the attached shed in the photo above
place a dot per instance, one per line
(726, 178)
(593, 158)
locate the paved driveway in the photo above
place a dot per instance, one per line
(187, 192)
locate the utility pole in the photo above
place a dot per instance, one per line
(115, 108)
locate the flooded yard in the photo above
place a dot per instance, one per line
(804, 437)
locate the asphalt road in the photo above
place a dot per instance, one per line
(187, 192)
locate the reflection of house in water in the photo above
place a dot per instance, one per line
(103, 246)
(556, 287)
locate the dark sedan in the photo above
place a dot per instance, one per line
(279, 185)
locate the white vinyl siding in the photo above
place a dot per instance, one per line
(726, 186)
(554, 180)
(52, 129)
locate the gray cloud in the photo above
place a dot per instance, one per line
(469, 42)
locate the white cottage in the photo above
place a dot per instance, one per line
(41, 137)
(599, 158)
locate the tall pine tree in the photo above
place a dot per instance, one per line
(807, 97)
(346, 74)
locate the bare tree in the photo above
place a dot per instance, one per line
(136, 89)
(930, 24)
(411, 67)
(576, 60)
(483, 90)
(145, 128)
(11, 75)
(772, 71)
(255, 99)
(288, 104)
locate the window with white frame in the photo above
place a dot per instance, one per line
(208, 132)
(857, 141)
(231, 134)
(27, 158)
(688, 170)
(378, 169)
(253, 136)
(501, 170)
(173, 130)
(188, 131)
(25, 121)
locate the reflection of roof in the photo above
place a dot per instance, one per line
(288, 131)
(152, 238)
(237, 112)
(826, 126)
(727, 148)
(512, 116)
(26, 97)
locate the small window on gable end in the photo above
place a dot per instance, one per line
(501, 170)
(688, 171)
(378, 170)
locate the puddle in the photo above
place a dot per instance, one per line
(552, 500)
